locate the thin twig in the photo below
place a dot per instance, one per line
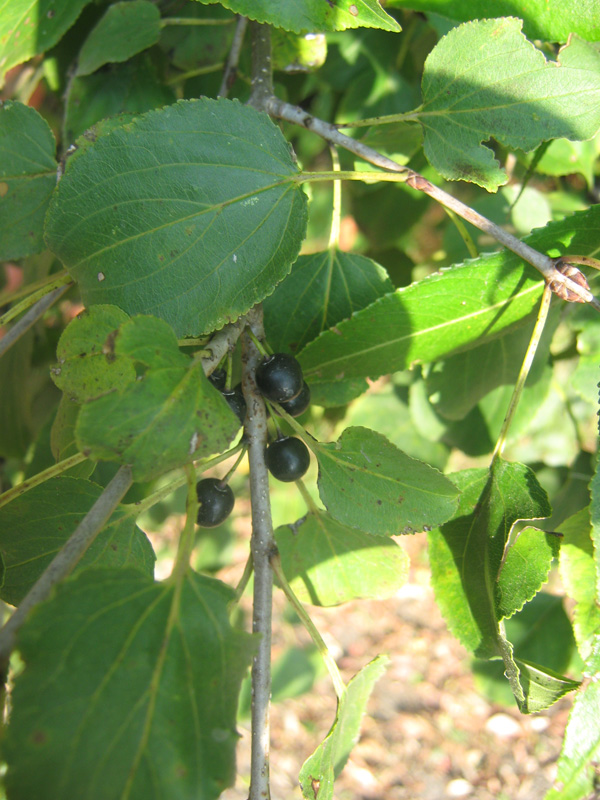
(262, 73)
(41, 477)
(230, 71)
(66, 559)
(543, 263)
(221, 343)
(30, 318)
(262, 546)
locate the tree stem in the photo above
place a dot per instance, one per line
(543, 263)
(262, 74)
(30, 318)
(262, 546)
(230, 71)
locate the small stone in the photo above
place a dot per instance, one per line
(503, 726)
(459, 787)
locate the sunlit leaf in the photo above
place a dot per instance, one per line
(484, 79)
(327, 563)
(367, 483)
(319, 772)
(304, 16)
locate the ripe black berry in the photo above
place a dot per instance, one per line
(218, 379)
(216, 502)
(279, 377)
(237, 403)
(298, 404)
(287, 458)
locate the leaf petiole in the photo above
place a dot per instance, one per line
(332, 667)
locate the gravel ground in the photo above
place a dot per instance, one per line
(429, 733)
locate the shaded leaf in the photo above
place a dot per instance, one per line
(29, 27)
(27, 178)
(332, 393)
(563, 157)
(62, 438)
(548, 20)
(303, 16)
(319, 772)
(35, 525)
(451, 311)
(125, 29)
(209, 226)
(327, 563)
(192, 46)
(129, 88)
(86, 368)
(142, 676)
(367, 483)
(321, 290)
(168, 416)
(16, 398)
(485, 79)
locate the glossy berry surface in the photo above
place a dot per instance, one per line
(218, 379)
(298, 404)
(216, 502)
(279, 377)
(287, 458)
(237, 403)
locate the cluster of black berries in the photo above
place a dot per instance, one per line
(279, 379)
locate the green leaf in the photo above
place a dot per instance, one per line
(542, 687)
(321, 290)
(16, 398)
(336, 393)
(578, 574)
(484, 79)
(308, 16)
(466, 553)
(29, 27)
(125, 29)
(525, 569)
(576, 778)
(327, 563)
(35, 525)
(62, 438)
(139, 675)
(27, 178)
(294, 53)
(170, 415)
(386, 412)
(190, 47)
(563, 157)
(129, 88)
(86, 367)
(319, 772)
(458, 383)
(540, 633)
(190, 213)
(549, 20)
(367, 483)
(454, 310)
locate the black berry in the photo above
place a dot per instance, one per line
(216, 502)
(298, 404)
(218, 379)
(237, 403)
(279, 377)
(287, 458)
